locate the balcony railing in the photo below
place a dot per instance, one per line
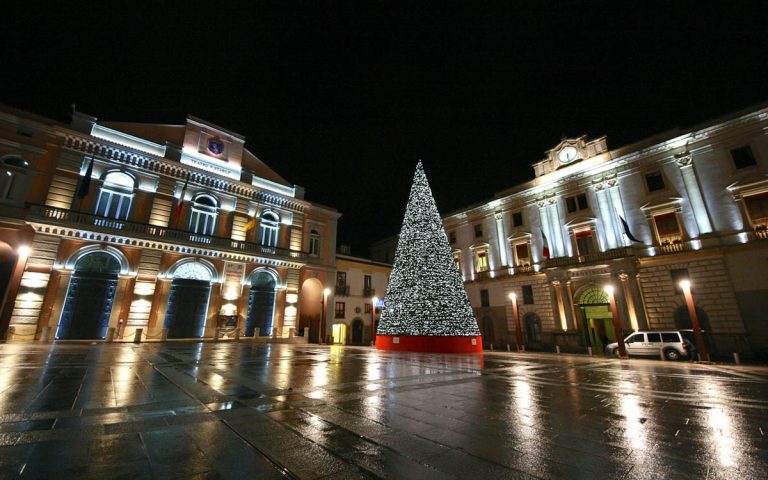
(590, 257)
(369, 292)
(761, 232)
(342, 290)
(68, 218)
(673, 247)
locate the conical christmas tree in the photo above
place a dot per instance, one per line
(426, 306)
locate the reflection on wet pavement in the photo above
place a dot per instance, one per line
(231, 410)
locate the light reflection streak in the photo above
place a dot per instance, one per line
(630, 409)
(720, 426)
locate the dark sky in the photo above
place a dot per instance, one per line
(344, 97)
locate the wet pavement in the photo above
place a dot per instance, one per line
(227, 410)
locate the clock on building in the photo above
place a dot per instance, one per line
(567, 154)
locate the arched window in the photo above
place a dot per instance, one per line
(270, 225)
(203, 219)
(116, 196)
(314, 243)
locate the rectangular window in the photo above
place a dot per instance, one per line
(457, 260)
(522, 254)
(517, 219)
(528, 294)
(577, 202)
(743, 157)
(341, 279)
(757, 208)
(570, 204)
(670, 337)
(678, 276)
(654, 181)
(668, 228)
(484, 299)
(367, 308)
(654, 337)
(581, 199)
(585, 243)
(481, 264)
(452, 237)
(367, 282)
(340, 309)
(478, 230)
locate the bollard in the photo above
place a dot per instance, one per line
(557, 347)
(508, 348)
(110, 335)
(736, 358)
(292, 332)
(137, 335)
(256, 332)
(45, 334)
(164, 335)
(589, 349)
(661, 354)
(306, 332)
(491, 347)
(237, 334)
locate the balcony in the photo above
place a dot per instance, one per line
(761, 232)
(342, 290)
(672, 247)
(86, 221)
(369, 292)
(589, 258)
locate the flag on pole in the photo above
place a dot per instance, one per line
(626, 230)
(85, 186)
(545, 252)
(251, 224)
(180, 201)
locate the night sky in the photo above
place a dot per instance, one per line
(344, 98)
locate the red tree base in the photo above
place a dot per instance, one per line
(431, 344)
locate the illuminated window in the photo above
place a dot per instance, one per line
(757, 209)
(116, 196)
(340, 309)
(457, 259)
(654, 181)
(203, 218)
(481, 260)
(577, 202)
(667, 229)
(270, 225)
(367, 308)
(314, 243)
(522, 252)
(743, 157)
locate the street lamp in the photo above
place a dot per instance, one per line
(700, 345)
(616, 321)
(518, 327)
(326, 292)
(373, 321)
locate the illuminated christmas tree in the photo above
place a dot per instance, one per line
(426, 306)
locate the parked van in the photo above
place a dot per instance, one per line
(651, 344)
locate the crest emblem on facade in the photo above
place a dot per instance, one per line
(215, 146)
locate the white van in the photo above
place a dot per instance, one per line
(651, 344)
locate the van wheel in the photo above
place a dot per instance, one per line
(615, 352)
(671, 354)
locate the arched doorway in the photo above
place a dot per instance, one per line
(488, 336)
(88, 303)
(8, 259)
(357, 332)
(188, 299)
(595, 308)
(261, 304)
(311, 299)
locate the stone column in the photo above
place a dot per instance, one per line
(630, 301)
(685, 162)
(10, 296)
(557, 229)
(159, 299)
(556, 285)
(606, 216)
(214, 307)
(125, 305)
(49, 299)
(503, 256)
(242, 306)
(571, 303)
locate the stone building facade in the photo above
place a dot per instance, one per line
(181, 230)
(695, 204)
(360, 286)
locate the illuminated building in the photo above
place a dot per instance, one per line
(696, 201)
(180, 230)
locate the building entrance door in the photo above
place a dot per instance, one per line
(597, 324)
(261, 305)
(88, 304)
(187, 308)
(339, 334)
(357, 332)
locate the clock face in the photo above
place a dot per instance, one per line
(568, 154)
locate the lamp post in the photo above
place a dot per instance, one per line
(518, 327)
(700, 345)
(616, 321)
(321, 335)
(373, 321)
